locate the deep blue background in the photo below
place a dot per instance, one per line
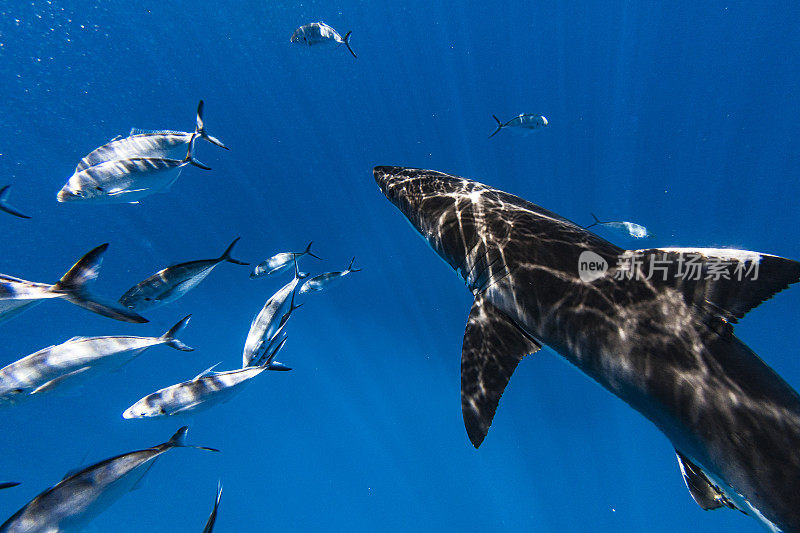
(679, 117)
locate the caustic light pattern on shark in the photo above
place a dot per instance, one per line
(666, 347)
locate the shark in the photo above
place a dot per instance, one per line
(640, 323)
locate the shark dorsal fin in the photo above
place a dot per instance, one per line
(493, 346)
(707, 495)
(727, 283)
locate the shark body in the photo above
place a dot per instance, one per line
(664, 343)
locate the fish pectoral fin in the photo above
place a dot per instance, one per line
(725, 283)
(53, 383)
(141, 481)
(707, 495)
(493, 346)
(187, 407)
(119, 192)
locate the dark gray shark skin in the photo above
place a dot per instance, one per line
(665, 345)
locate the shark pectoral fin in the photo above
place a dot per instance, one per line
(53, 383)
(707, 495)
(493, 346)
(726, 283)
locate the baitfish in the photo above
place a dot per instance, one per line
(18, 295)
(125, 180)
(269, 321)
(629, 228)
(526, 122)
(663, 343)
(155, 144)
(76, 360)
(318, 283)
(279, 263)
(318, 33)
(203, 391)
(171, 283)
(71, 504)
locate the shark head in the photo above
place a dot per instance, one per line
(481, 232)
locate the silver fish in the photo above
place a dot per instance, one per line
(524, 121)
(157, 144)
(18, 295)
(320, 33)
(279, 263)
(318, 283)
(76, 500)
(4, 206)
(212, 518)
(203, 391)
(126, 180)
(630, 228)
(76, 359)
(270, 320)
(8, 484)
(171, 283)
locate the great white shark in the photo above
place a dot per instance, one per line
(635, 321)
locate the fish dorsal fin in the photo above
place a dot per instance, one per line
(726, 283)
(493, 346)
(207, 372)
(707, 495)
(139, 131)
(76, 339)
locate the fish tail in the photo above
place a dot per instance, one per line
(190, 158)
(499, 126)
(227, 255)
(200, 129)
(178, 440)
(4, 203)
(596, 221)
(346, 41)
(8, 484)
(270, 359)
(170, 337)
(74, 287)
(308, 251)
(350, 267)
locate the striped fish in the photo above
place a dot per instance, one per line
(125, 180)
(76, 500)
(76, 359)
(18, 295)
(524, 122)
(318, 283)
(155, 144)
(203, 391)
(171, 283)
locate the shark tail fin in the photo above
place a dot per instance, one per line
(200, 129)
(4, 203)
(350, 266)
(74, 287)
(178, 440)
(346, 42)
(226, 256)
(308, 251)
(493, 347)
(170, 337)
(499, 126)
(190, 158)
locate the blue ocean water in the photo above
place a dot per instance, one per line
(679, 116)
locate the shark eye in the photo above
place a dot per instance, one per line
(79, 194)
(99, 188)
(16, 391)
